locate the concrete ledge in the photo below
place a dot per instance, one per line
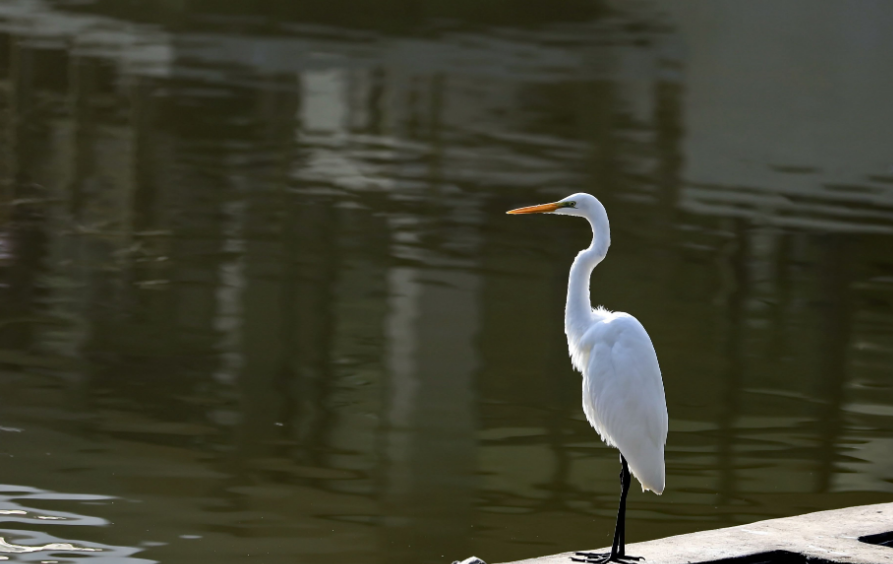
(826, 536)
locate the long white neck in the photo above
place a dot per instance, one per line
(578, 313)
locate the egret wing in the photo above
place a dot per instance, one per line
(623, 396)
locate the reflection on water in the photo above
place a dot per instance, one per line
(24, 545)
(259, 295)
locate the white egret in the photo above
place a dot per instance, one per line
(623, 394)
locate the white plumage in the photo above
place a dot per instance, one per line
(623, 393)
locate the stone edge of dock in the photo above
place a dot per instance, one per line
(831, 536)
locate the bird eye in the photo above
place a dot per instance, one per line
(571, 204)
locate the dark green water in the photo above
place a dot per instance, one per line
(259, 296)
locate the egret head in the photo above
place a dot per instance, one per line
(580, 204)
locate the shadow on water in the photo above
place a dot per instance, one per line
(259, 294)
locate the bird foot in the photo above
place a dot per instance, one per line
(604, 558)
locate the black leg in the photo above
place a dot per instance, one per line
(625, 480)
(618, 548)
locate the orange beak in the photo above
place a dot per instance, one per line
(542, 208)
